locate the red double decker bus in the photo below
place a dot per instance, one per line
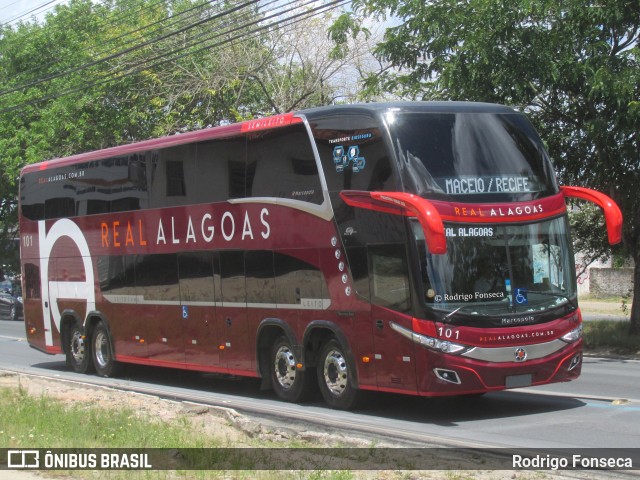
(418, 248)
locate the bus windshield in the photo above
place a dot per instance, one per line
(497, 269)
(471, 157)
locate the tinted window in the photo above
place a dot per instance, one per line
(353, 153)
(60, 207)
(220, 170)
(280, 163)
(102, 186)
(297, 281)
(157, 277)
(232, 276)
(389, 276)
(475, 157)
(117, 275)
(359, 270)
(172, 171)
(196, 276)
(260, 281)
(237, 175)
(31, 280)
(175, 178)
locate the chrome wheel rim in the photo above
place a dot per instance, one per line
(336, 373)
(284, 366)
(77, 347)
(101, 349)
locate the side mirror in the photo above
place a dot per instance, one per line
(612, 213)
(407, 204)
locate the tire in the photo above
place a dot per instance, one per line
(335, 377)
(78, 350)
(289, 382)
(103, 353)
(13, 313)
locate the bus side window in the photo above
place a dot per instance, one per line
(232, 277)
(157, 277)
(211, 183)
(31, 280)
(117, 274)
(118, 184)
(281, 164)
(260, 281)
(59, 207)
(297, 279)
(389, 276)
(196, 276)
(353, 154)
(359, 270)
(172, 171)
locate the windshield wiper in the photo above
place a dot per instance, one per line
(452, 312)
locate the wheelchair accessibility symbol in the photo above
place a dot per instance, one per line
(185, 311)
(521, 296)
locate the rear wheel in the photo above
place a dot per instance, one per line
(103, 356)
(78, 350)
(289, 382)
(335, 375)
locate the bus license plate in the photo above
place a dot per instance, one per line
(517, 381)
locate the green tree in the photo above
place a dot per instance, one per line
(98, 74)
(49, 107)
(571, 65)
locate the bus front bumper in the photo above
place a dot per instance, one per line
(491, 369)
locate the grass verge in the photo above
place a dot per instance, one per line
(610, 336)
(46, 423)
(29, 422)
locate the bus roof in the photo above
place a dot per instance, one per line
(425, 107)
(269, 123)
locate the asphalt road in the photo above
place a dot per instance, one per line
(601, 409)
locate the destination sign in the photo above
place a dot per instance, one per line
(471, 185)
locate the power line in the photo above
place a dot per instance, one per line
(132, 70)
(128, 50)
(114, 22)
(32, 10)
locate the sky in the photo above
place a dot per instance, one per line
(10, 10)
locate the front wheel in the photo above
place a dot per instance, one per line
(335, 375)
(78, 350)
(289, 382)
(103, 357)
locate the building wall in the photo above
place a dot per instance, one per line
(606, 282)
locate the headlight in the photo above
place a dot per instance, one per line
(573, 335)
(444, 346)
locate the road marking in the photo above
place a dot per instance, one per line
(597, 398)
(17, 339)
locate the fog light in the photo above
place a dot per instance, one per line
(575, 361)
(447, 375)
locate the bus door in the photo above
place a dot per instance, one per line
(236, 351)
(391, 302)
(198, 287)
